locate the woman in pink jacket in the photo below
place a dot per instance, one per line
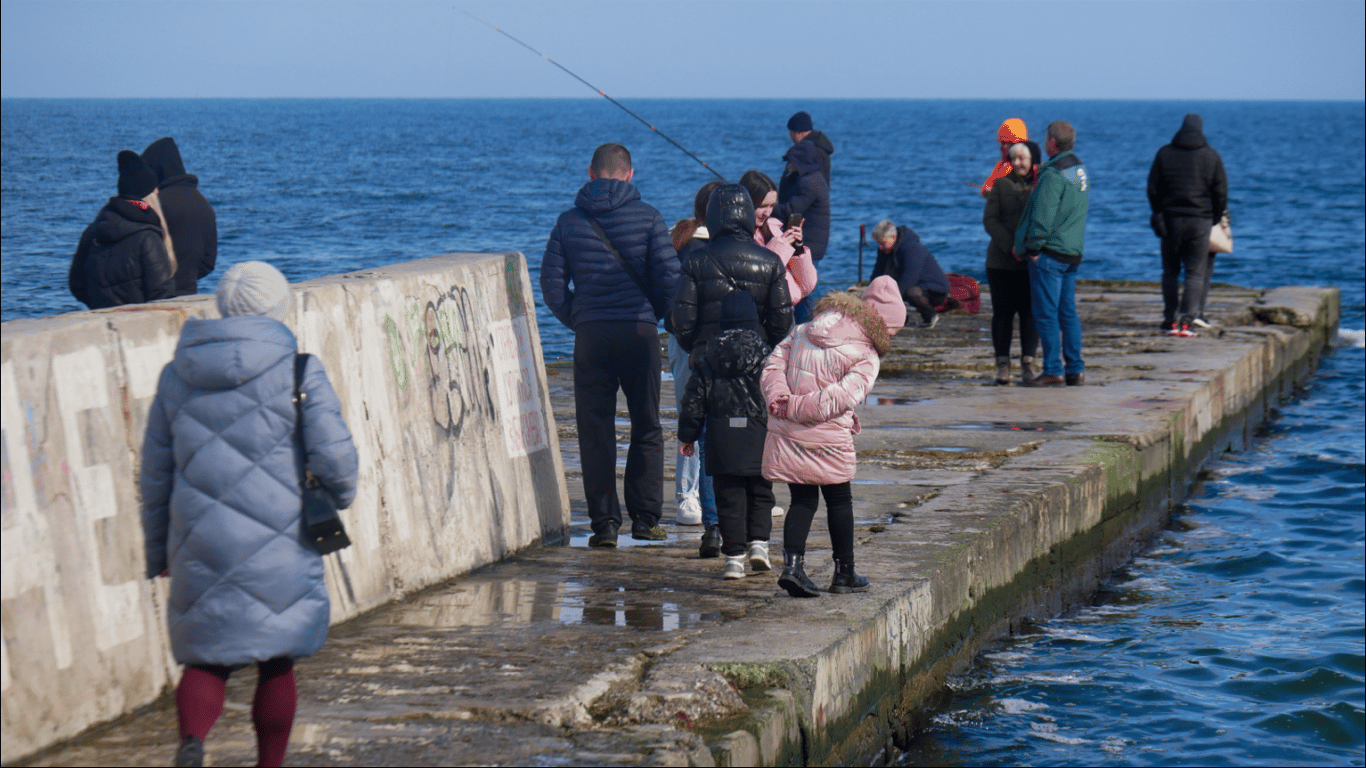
(812, 382)
(786, 243)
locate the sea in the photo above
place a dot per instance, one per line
(1238, 637)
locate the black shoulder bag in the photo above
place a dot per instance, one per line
(322, 524)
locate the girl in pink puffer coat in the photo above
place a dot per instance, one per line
(812, 382)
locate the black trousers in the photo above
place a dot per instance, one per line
(1010, 297)
(611, 355)
(1186, 246)
(745, 505)
(839, 513)
(924, 301)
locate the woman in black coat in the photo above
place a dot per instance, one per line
(124, 256)
(1007, 275)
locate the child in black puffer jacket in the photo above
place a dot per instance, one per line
(724, 396)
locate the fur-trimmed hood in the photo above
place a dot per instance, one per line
(858, 315)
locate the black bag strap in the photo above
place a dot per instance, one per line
(300, 361)
(630, 272)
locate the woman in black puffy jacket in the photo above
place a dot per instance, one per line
(124, 256)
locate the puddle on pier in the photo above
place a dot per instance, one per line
(521, 601)
(1012, 426)
(901, 400)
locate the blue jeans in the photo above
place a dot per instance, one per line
(1053, 291)
(688, 475)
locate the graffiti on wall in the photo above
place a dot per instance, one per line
(468, 367)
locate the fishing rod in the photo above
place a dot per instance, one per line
(600, 92)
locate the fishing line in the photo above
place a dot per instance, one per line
(599, 92)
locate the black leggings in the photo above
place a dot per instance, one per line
(1009, 297)
(839, 513)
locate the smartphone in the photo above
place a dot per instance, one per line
(795, 220)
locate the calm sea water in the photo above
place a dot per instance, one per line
(1238, 638)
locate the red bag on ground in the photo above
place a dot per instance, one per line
(963, 294)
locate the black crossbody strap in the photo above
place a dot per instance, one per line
(607, 241)
(301, 360)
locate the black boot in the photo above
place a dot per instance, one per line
(191, 752)
(794, 578)
(711, 542)
(846, 580)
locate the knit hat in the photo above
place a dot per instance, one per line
(884, 297)
(800, 123)
(738, 311)
(136, 179)
(1013, 131)
(254, 288)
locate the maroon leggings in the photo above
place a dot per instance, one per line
(203, 687)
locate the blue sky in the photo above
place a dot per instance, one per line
(1148, 49)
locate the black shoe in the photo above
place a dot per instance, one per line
(191, 752)
(794, 578)
(646, 532)
(606, 538)
(711, 542)
(1046, 380)
(1075, 379)
(846, 580)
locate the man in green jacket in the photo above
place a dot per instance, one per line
(1052, 229)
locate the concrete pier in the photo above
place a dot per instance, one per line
(977, 507)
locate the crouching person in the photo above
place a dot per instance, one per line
(813, 381)
(222, 479)
(724, 397)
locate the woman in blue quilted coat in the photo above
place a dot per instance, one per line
(222, 473)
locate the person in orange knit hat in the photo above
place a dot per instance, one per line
(1012, 131)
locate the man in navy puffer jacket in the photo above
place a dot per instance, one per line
(613, 307)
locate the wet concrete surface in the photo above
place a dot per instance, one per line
(556, 656)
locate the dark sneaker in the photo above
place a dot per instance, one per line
(711, 543)
(1182, 331)
(1046, 381)
(1166, 328)
(605, 539)
(191, 752)
(643, 532)
(1075, 379)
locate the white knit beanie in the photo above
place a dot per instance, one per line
(254, 288)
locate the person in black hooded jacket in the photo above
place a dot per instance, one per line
(731, 261)
(188, 216)
(1188, 191)
(122, 257)
(724, 397)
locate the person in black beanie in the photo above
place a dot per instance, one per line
(190, 220)
(122, 257)
(804, 190)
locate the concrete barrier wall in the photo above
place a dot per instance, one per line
(438, 365)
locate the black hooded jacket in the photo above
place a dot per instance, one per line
(724, 396)
(1187, 177)
(803, 189)
(729, 262)
(121, 258)
(193, 225)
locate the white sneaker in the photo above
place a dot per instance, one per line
(758, 556)
(1201, 322)
(778, 511)
(735, 567)
(689, 511)
(933, 321)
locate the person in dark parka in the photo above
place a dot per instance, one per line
(902, 256)
(731, 261)
(123, 256)
(189, 218)
(724, 398)
(1188, 192)
(803, 190)
(222, 479)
